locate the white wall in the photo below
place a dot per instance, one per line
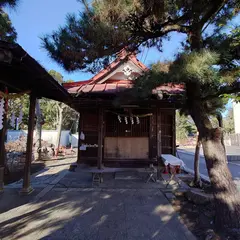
(236, 117)
(51, 137)
(74, 140)
(47, 135)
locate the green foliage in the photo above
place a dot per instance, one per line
(51, 109)
(14, 106)
(89, 40)
(10, 3)
(195, 67)
(228, 47)
(188, 67)
(184, 127)
(69, 81)
(57, 76)
(7, 31)
(228, 122)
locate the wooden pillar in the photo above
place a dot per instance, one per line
(2, 147)
(79, 140)
(153, 135)
(100, 138)
(27, 168)
(159, 134)
(174, 133)
(159, 144)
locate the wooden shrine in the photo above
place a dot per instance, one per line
(127, 131)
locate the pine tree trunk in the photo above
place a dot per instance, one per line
(39, 138)
(197, 179)
(220, 124)
(226, 194)
(60, 108)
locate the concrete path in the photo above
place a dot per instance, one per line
(49, 175)
(188, 158)
(95, 214)
(123, 210)
(42, 182)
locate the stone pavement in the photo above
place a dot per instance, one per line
(74, 209)
(49, 175)
(42, 182)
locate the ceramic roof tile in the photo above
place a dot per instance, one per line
(99, 88)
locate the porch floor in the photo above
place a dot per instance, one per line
(130, 178)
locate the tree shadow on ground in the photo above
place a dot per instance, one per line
(89, 213)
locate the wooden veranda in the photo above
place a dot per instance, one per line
(20, 73)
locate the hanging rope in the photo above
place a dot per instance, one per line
(132, 115)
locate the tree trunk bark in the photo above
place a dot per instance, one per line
(38, 144)
(197, 180)
(39, 138)
(226, 194)
(59, 128)
(220, 124)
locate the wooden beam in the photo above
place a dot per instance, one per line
(27, 168)
(100, 138)
(2, 146)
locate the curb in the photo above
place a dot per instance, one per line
(230, 157)
(204, 177)
(50, 186)
(188, 153)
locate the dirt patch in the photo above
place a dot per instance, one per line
(200, 218)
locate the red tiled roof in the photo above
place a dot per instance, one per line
(115, 63)
(114, 85)
(70, 85)
(120, 86)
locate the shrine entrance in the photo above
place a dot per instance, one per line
(127, 135)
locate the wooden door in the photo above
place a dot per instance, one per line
(167, 131)
(126, 147)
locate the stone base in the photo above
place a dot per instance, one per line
(198, 196)
(26, 191)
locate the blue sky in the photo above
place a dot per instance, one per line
(34, 18)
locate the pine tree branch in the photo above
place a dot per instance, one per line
(234, 88)
(159, 30)
(216, 8)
